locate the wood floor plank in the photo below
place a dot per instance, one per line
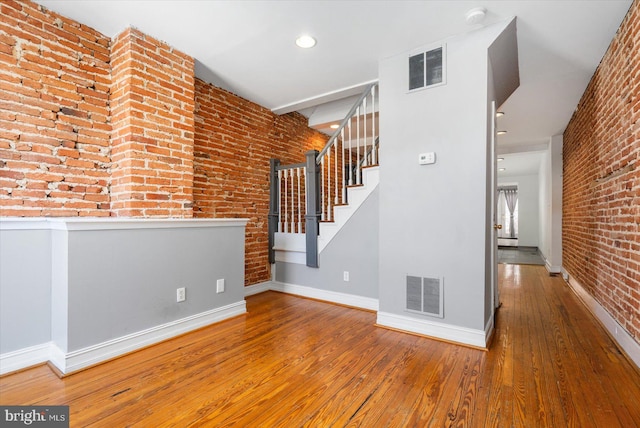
(293, 362)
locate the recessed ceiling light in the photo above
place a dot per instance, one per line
(502, 169)
(334, 126)
(500, 159)
(502, 132)
(305, 41)
(499, 113)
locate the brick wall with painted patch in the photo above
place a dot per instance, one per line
(601, 187)
(54, 114)
(234, 140)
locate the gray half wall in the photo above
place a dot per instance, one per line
(25, 288)
(78, 291)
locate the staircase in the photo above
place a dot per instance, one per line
(310, 202)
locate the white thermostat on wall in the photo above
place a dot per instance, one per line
(427, 158)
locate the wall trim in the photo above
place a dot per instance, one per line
(552, 269)
(25, 357)
(92, 355)
(361, 302)
(261, 287)
(615, 330)
(447, 332)
(114, 223)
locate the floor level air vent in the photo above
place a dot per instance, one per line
(425, 295)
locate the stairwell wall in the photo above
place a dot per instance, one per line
(354, 249)
(433, 217)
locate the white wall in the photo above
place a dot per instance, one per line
(550, 205)
(528, 208)
(433, 218)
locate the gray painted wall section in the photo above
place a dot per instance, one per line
(59, 289)
(353, 249)
(79, 283)
(433, 217)
(25, 289)
(124, 281)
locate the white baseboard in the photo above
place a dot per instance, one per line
(552, 269)
(361, 302)
(450, 333)
(91, 355)
(25, 357)
(619, 334)
(76, 360)
(250, 290)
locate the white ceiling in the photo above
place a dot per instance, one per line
(519, 164)
(248, 47)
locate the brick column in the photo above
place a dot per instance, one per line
(152, 114)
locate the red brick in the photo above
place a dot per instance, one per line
(600, 170)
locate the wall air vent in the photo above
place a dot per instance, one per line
(425, 295)
(427, 69)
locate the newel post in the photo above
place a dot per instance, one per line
(273, 206)
(312, 216)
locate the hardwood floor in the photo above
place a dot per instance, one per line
(295, 362)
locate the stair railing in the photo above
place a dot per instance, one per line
(324, 178)
(347, 152)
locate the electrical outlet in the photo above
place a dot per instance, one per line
(345, 275)
(220, 286)
(181, 294)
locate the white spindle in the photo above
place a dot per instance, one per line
(322, 216)
(280, 201)
(328, 185)
(345, 180)
(350, 157)
(365, 162)
(373, 126)
(358, 146)
(299, 206)
(335, 170)
(286, 207)
(304, 175)
(293, 215)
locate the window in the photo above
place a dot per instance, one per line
(508, 209)
(426, 69)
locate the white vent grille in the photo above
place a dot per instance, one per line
(425, 295)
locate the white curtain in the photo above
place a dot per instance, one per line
(508, 211)
(511, 196)
(502, 208)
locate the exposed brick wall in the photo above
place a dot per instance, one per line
(152, 102)
(94, 127)
(234, 140)
(601, 187)
(54, 127)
